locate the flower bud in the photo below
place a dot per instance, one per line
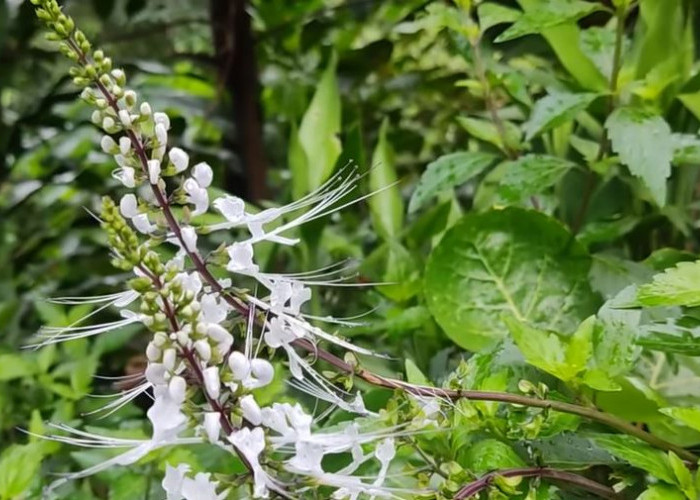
(125, 117)
(211, 381)
(145, 109)
(203, 349)
(262, 370)
(124, 145)
(251, 410)
(179, 159)
(153, 171)
(160, 339)
(189, 238)
(177, 388)
(203, 174)
(239, 365)
(108, 145)
(130, 98)
(162, 118)
(108, 123)
(169, 358)
(212, 426)
(152, 352)
(128, 206)
(119, 76)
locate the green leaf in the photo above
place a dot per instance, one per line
(615, 336)
(690, 416)
(447, 172)
(661, 492)
(677, 286)
(488, 132)
(489, 455)
(548, 14)
(319, 128)
(643, 141)
(598, 43)
(638, 454)
(14, 366)
(530, 175)
(547, 351)
(492, 14)
(19, 465)
(685, 344)
(414, 375)
(554, 110)
(386, 205)
(684, 479)
(692, 102)
(506, 261)
(686, 148)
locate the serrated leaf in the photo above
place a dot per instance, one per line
(510, 261)
(447, 172)
(548, 14)
(554, 110)
(643, 142)
(690, 416)
(320, 126)
(615, 337)
(598, 43)
(638, 454)
(677, 286)
(530, 175)
(386, 205)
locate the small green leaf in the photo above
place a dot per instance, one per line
(643, 141)
(414, 375)
(638, 454)
(554, 110)
(386, 204)
(14, 366)
(489, 455)
(447, 172)
(690, 416)
(510, 261)
(684, 479)
(661, 492)
(677, 286)
(320, 126)
(548, 14)
(530, 175)
(493, 14)
(488, 132)
(19, 465)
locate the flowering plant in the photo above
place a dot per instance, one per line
(219, 325)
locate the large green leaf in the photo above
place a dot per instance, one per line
(643, 141)
(319, 128)
(638, 454)
(662, 492)
(690, 416)
(512, 261)
(386, 204)
(548, 14)
(19, 464)
(555, 109)
(446, 172)
(529, 175)
(489, 455)
(677, 286)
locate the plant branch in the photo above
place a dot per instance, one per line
(364, 374)
(578, 480)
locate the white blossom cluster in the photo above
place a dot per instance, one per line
(193, 350)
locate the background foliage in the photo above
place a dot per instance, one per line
(542, 162)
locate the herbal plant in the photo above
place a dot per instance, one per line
(513, 286)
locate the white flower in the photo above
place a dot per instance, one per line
(212, 425)
(124, 145)
(152, 352)
(241, 259)
(203, 174)
(250, 444)
(172, 482)
(251, 410)
(211, 381)
(128, 206)
(197, 196)
(307, 458)
(231, 207)
(179, 159)
(162, 118)
(189, 238)
(155, 373)
(239, 365)
(153, 171)
(278, 333)
(223, 339)
(169, 359)
(165, 415)
(142, 224)
(108, 145)
(213, 310)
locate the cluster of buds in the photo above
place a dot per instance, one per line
(206, 331)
